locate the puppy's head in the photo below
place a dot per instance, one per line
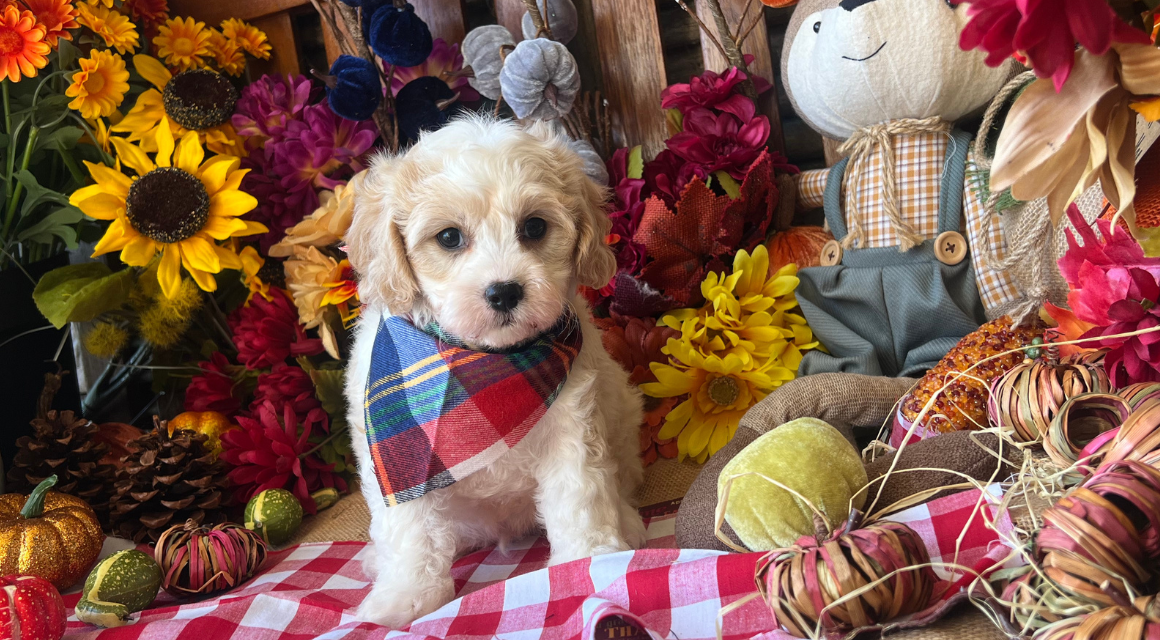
(483, 226)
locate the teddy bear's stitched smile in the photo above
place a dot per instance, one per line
(878, 51)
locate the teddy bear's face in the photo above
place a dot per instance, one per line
(856, 63)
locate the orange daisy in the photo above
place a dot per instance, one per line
(182, 42)
(248, 37)
(226, 54)
(22, 45)
(56, 16)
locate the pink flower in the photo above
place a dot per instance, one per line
(708, 91)
(278, 208)
(266, 106)
(217, 388)
(318, 146)
(1135, 358)
(268, 453)
(722, 142)
(286, 384)
(268, 332)
(445, 62)
(1046, 31)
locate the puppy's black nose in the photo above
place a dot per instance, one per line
(504, 296)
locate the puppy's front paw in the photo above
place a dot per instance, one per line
(632, 526)
(395, 607)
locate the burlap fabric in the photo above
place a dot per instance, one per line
(845, 400)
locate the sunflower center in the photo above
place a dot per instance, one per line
(199, 99)
(182, 46)
(167, 205)
(724, 391)
(272, 273)
(94, 83)
(10, 41)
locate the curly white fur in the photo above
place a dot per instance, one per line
(575, 473)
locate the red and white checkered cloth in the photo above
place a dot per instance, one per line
(313, 590)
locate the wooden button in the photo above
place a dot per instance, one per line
(831, 254)
(950, 248)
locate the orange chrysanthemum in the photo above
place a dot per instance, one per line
(22, 45)
(111, 26)
(151, 12)
(226, 54)
(182, 42)
(248, 37)
(56, 16)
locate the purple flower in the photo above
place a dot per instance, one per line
(315, 148)
(268, 105)
(278, 208)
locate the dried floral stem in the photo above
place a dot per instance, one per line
(729, 47)
(741, 21)
(539, 20)
(704, 28)
(745, 36)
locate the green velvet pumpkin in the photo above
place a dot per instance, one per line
(810, 457)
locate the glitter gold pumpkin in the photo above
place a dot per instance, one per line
(47, 534)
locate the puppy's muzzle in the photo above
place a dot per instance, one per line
(504, 296)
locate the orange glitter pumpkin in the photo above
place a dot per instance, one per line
(51, 535)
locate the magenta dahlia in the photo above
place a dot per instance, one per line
(267, 332)
(216, 388)
(708, 91)
(722, 142)
(266, 106)
(269, 451)
(315, 148)
(286, 384)
(668, 175)
(445, 63)
(1045, 31)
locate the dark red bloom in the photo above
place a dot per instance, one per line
(216, 389)
(722, 142)
(271, 453)
(1136, 358)
(286, 384)
(268, 332)
(668, 175)
(1046, 31)
(708, 91)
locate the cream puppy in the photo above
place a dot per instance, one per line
(488, 229)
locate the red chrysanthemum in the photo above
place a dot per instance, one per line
(722, 142)
(150, 12)
(268, 452)
(1045, 31)
(217, 388)
(708, 91)
(286, 384)
(267, 332)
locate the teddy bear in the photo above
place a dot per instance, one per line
(907, 276)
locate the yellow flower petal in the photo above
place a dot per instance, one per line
(132, 156)
(152, 70)
(220, 228)
(231, 203)
(139, 251)
(189, 153)
(228, 259)
(197, 253)
(205, 281)
(115, 238)
(165, 144)
(214, 172)
(252, 229)
(112, 181)
(99, 205)
(169, 271)
(1150, 109)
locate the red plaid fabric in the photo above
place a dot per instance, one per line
(312, 591)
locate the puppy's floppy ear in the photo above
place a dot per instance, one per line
(375, 241)
(595, 262)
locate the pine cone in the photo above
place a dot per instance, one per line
(64, 444)
(962, 405)
(165, 481)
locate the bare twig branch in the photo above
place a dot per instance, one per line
(704, 28)
(741, 21)
(745, 36)
(538, 19)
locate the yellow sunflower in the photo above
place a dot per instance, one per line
(743, 343)
(115, 29)
(178, 206)
(99, 87)
(226, 54)
(183, 42)
(248, 37)
(198, 100)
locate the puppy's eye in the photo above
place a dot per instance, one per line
(535, 228)
(450, 238)
(818, 26)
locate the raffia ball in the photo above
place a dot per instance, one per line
(563, 21)
(806, 455)
(199, 560)
(482, 52)
(540, 80)
(801, 583)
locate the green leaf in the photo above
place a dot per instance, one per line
(732, 189)
(636, 163)
(62, 139)
(37, 195)
(328, 388)
(60, 223)
(67, 54)
(81, 292)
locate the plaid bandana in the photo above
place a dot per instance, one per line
(437, 411)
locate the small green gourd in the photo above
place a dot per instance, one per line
(273, 514)
(124, 583)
